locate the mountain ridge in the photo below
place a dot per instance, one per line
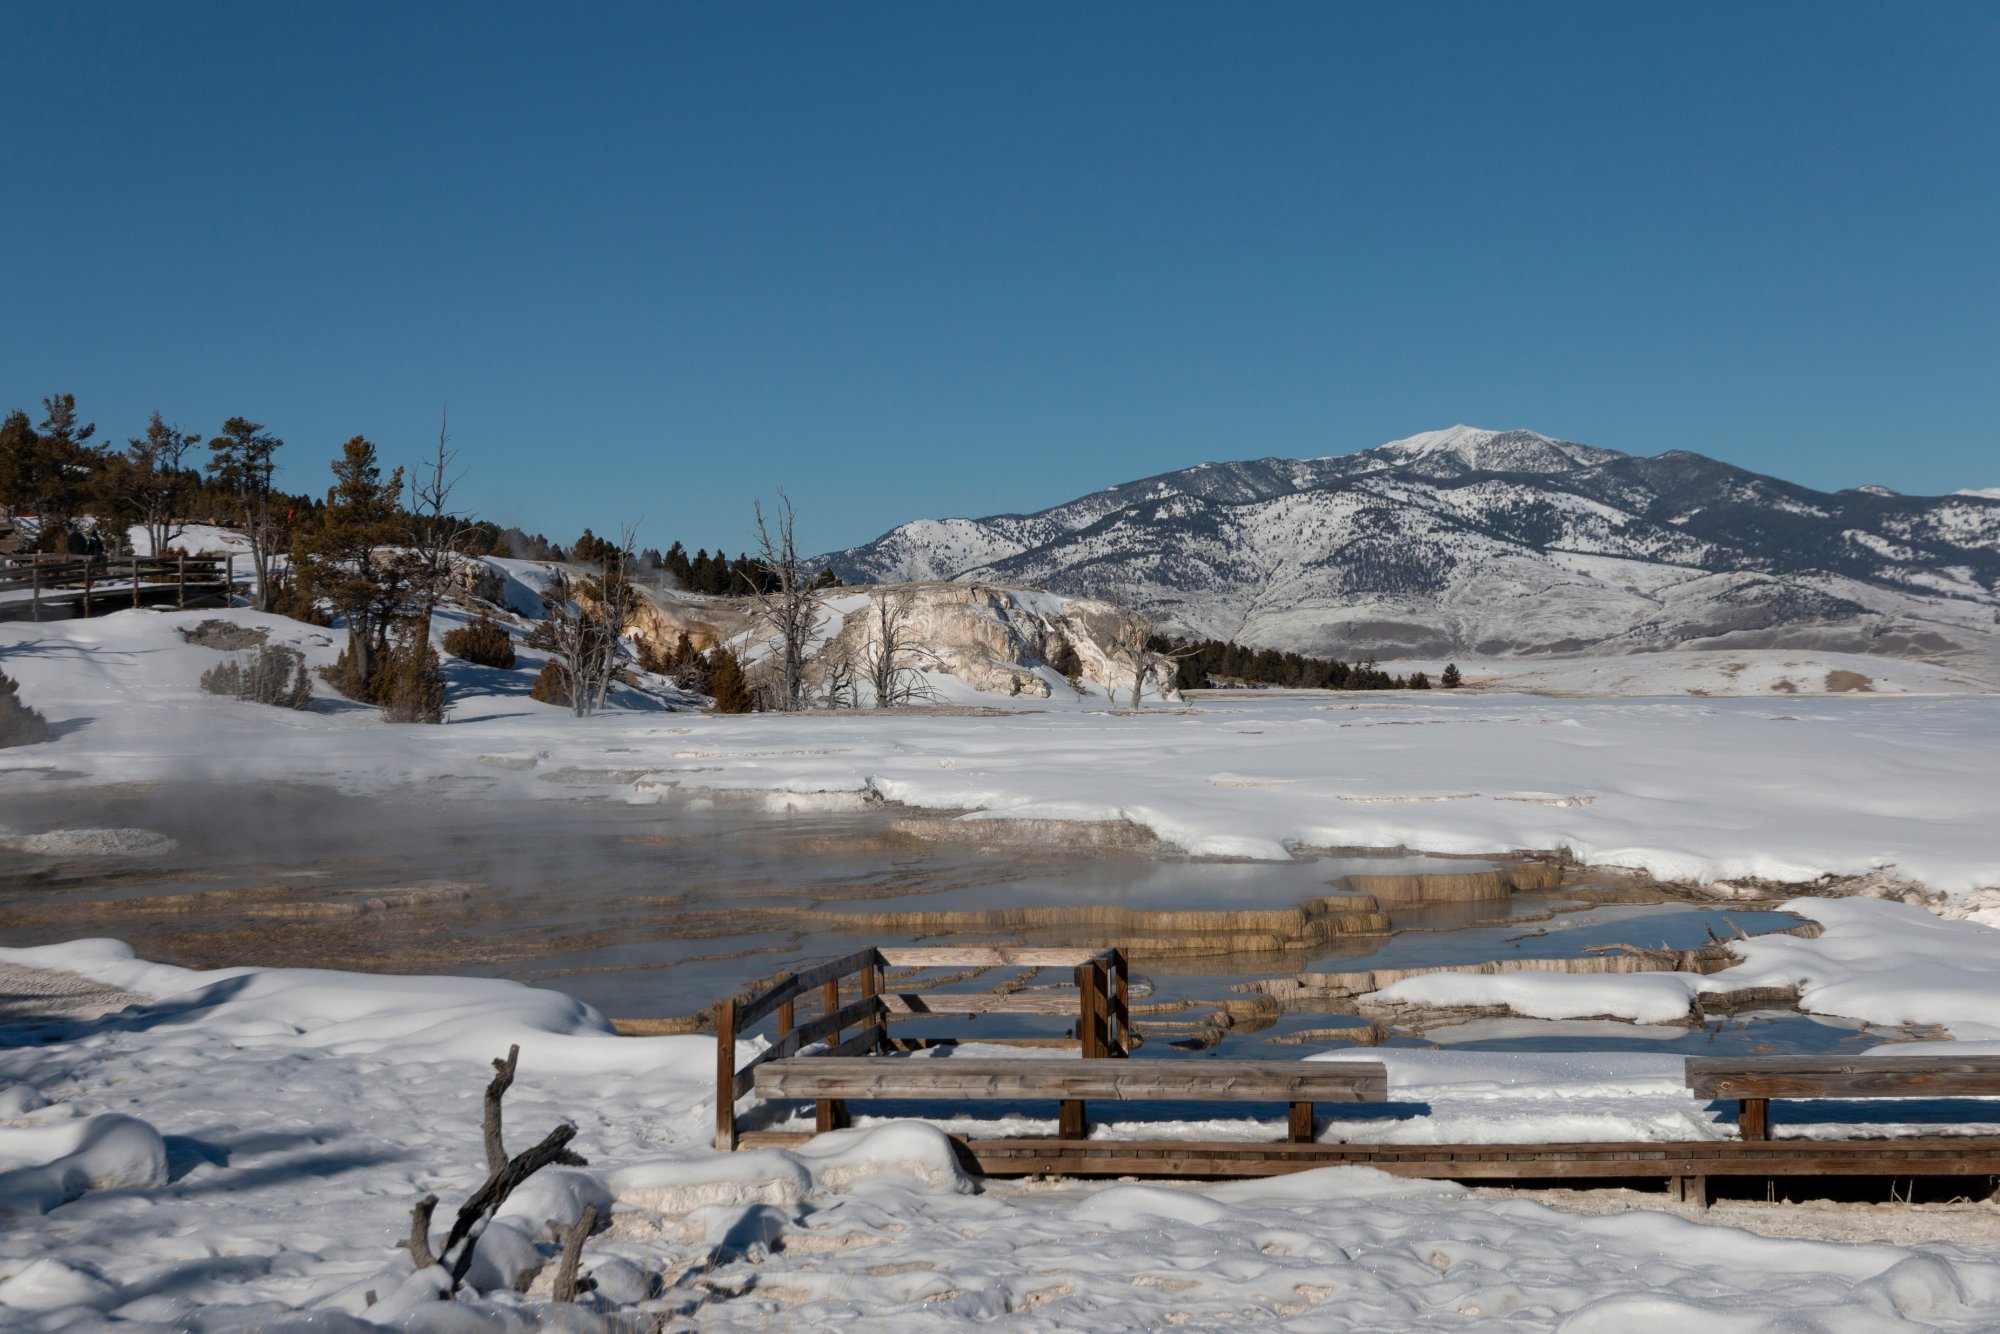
(1494, 542)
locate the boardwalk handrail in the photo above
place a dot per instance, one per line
(1754, 1081)
(123, 580)
(1102, 1009)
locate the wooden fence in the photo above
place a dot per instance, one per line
(30, 583)
(1101, 1005)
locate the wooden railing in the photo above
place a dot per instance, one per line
(111, 582)
(1102, 1008)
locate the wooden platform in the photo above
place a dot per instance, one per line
(1955, 1157)
(811, 1061)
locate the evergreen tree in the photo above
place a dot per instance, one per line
(345, 559)
(243, 461)
(1451, 679)
(678, 565)
(726, 685)
(49, 472)
(150, 483)
(1420, 681)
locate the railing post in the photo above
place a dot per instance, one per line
(1072, 1121)
(86, 590)
(871, 985)
(1121, 1005)
(181, 582)
(830, 1000)
(725, 1074)
(830, 1113)
(229, 579)
(35, 596)
(1753, 1118)
(135, 582)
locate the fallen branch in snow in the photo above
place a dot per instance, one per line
(504, 1175)
(503, 1079)
(568, 1287)
(418, 1243)
(486, 1201)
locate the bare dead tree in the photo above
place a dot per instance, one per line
(614, 597)
(787, 603)
(837, 679)
(583, 632)
(892, 661)
(437, 536)
(1132, 644)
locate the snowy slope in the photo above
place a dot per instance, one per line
(1468, 541)
(1775, 787)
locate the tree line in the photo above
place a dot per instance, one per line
(1204, 663)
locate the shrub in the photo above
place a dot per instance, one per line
(227, 636)
(19, 724)
(410, 684)
(726, 685)
(550, 687)
(286, 598)
(273, 675)
(484, 642)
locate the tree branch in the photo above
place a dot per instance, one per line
(503, 1079)
(568, 1287)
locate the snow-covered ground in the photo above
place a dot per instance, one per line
(1784, 789)
(1770, 672)
(241, 1145)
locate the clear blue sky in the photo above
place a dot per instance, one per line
(925, 259)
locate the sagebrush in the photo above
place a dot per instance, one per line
(273, 675)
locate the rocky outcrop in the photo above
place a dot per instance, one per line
(998, 640)
(1001, 641)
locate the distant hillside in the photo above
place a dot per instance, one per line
(1494, 543)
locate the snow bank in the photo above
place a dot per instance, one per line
(42, 1167)
(1643, 998)
(1876, 961)
(239, 1150)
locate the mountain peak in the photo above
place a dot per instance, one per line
(1461, 440)
(1475, 449)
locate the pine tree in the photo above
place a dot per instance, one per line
(19, 724)
(49, 472)
(243, 460)
(1451, 679)
(726, 685)
(345, 559)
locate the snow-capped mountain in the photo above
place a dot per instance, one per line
(1494, 542)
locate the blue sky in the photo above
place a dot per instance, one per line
(923, 259)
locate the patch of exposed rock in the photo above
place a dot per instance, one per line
(226, 636)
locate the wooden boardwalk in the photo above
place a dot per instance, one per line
(811, 1060)
(32, 585)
